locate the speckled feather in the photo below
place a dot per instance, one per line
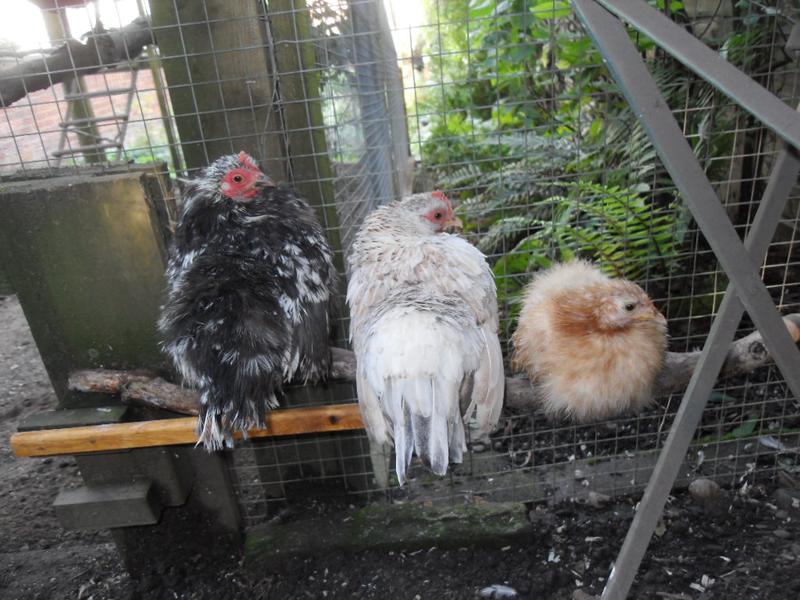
(247, 308)
(590, 357)
(424, 328)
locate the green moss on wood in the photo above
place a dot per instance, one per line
(383, 526)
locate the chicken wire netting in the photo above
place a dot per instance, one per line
(507, 107)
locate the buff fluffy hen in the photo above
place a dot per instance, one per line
(594, 345)
(424, 329)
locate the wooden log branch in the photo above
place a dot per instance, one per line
(104, 48)
(745, 355)
(159, 393)
(145, 388)
(107, 381)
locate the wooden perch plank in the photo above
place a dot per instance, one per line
(173, 432)
(744, 355)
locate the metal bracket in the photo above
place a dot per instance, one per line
(701, 59)
(739, 261)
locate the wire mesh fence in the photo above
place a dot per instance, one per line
(506, 106)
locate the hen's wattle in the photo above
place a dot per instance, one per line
(250, 277)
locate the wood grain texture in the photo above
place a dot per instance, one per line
(172, 432)
(744, 355)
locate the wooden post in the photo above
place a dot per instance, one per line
(396, 104)
(55, 21)
(299, 79)
(219, 60)
(154, 62)
(285, 464)
(379, 85)
(215, 59)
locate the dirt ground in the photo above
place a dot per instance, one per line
(742, 546)
(38, 559)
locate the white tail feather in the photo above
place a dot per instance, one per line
(489, 386)
(411, 370)
(426, 421)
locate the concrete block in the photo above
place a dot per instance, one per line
(166, 468)
(75, 417)
(104, 507)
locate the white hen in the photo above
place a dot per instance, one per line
(424, 326)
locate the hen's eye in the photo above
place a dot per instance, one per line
(437, 216)
(238, 179)
(630, 306)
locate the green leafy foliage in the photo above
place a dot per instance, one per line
(622, 231)
(526, 127)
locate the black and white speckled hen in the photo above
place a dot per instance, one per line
(250, 277)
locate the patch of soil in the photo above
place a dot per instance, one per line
(38, 559)
(742, 547)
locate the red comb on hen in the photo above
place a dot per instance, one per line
(439, 195)
(247, 161)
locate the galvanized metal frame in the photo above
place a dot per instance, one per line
(746, 290)
(698, 57)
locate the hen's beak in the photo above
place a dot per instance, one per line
(265, 181)
(453, 224)
(655, 315)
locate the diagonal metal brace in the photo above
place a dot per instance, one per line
(643, 95)
(723, 330)
(701, 59)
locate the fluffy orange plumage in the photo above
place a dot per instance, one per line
(594, 345)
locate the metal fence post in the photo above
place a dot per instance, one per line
(644, 97)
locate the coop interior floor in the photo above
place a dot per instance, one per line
(38, 559)
(749, 547)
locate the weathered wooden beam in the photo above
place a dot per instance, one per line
(215, 59)
(301, 109)
(73, 59)
(78, 109)
(173, 432)
(745, 355)
(408, 525)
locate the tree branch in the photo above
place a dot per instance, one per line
(104, 48)
(745, 355)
